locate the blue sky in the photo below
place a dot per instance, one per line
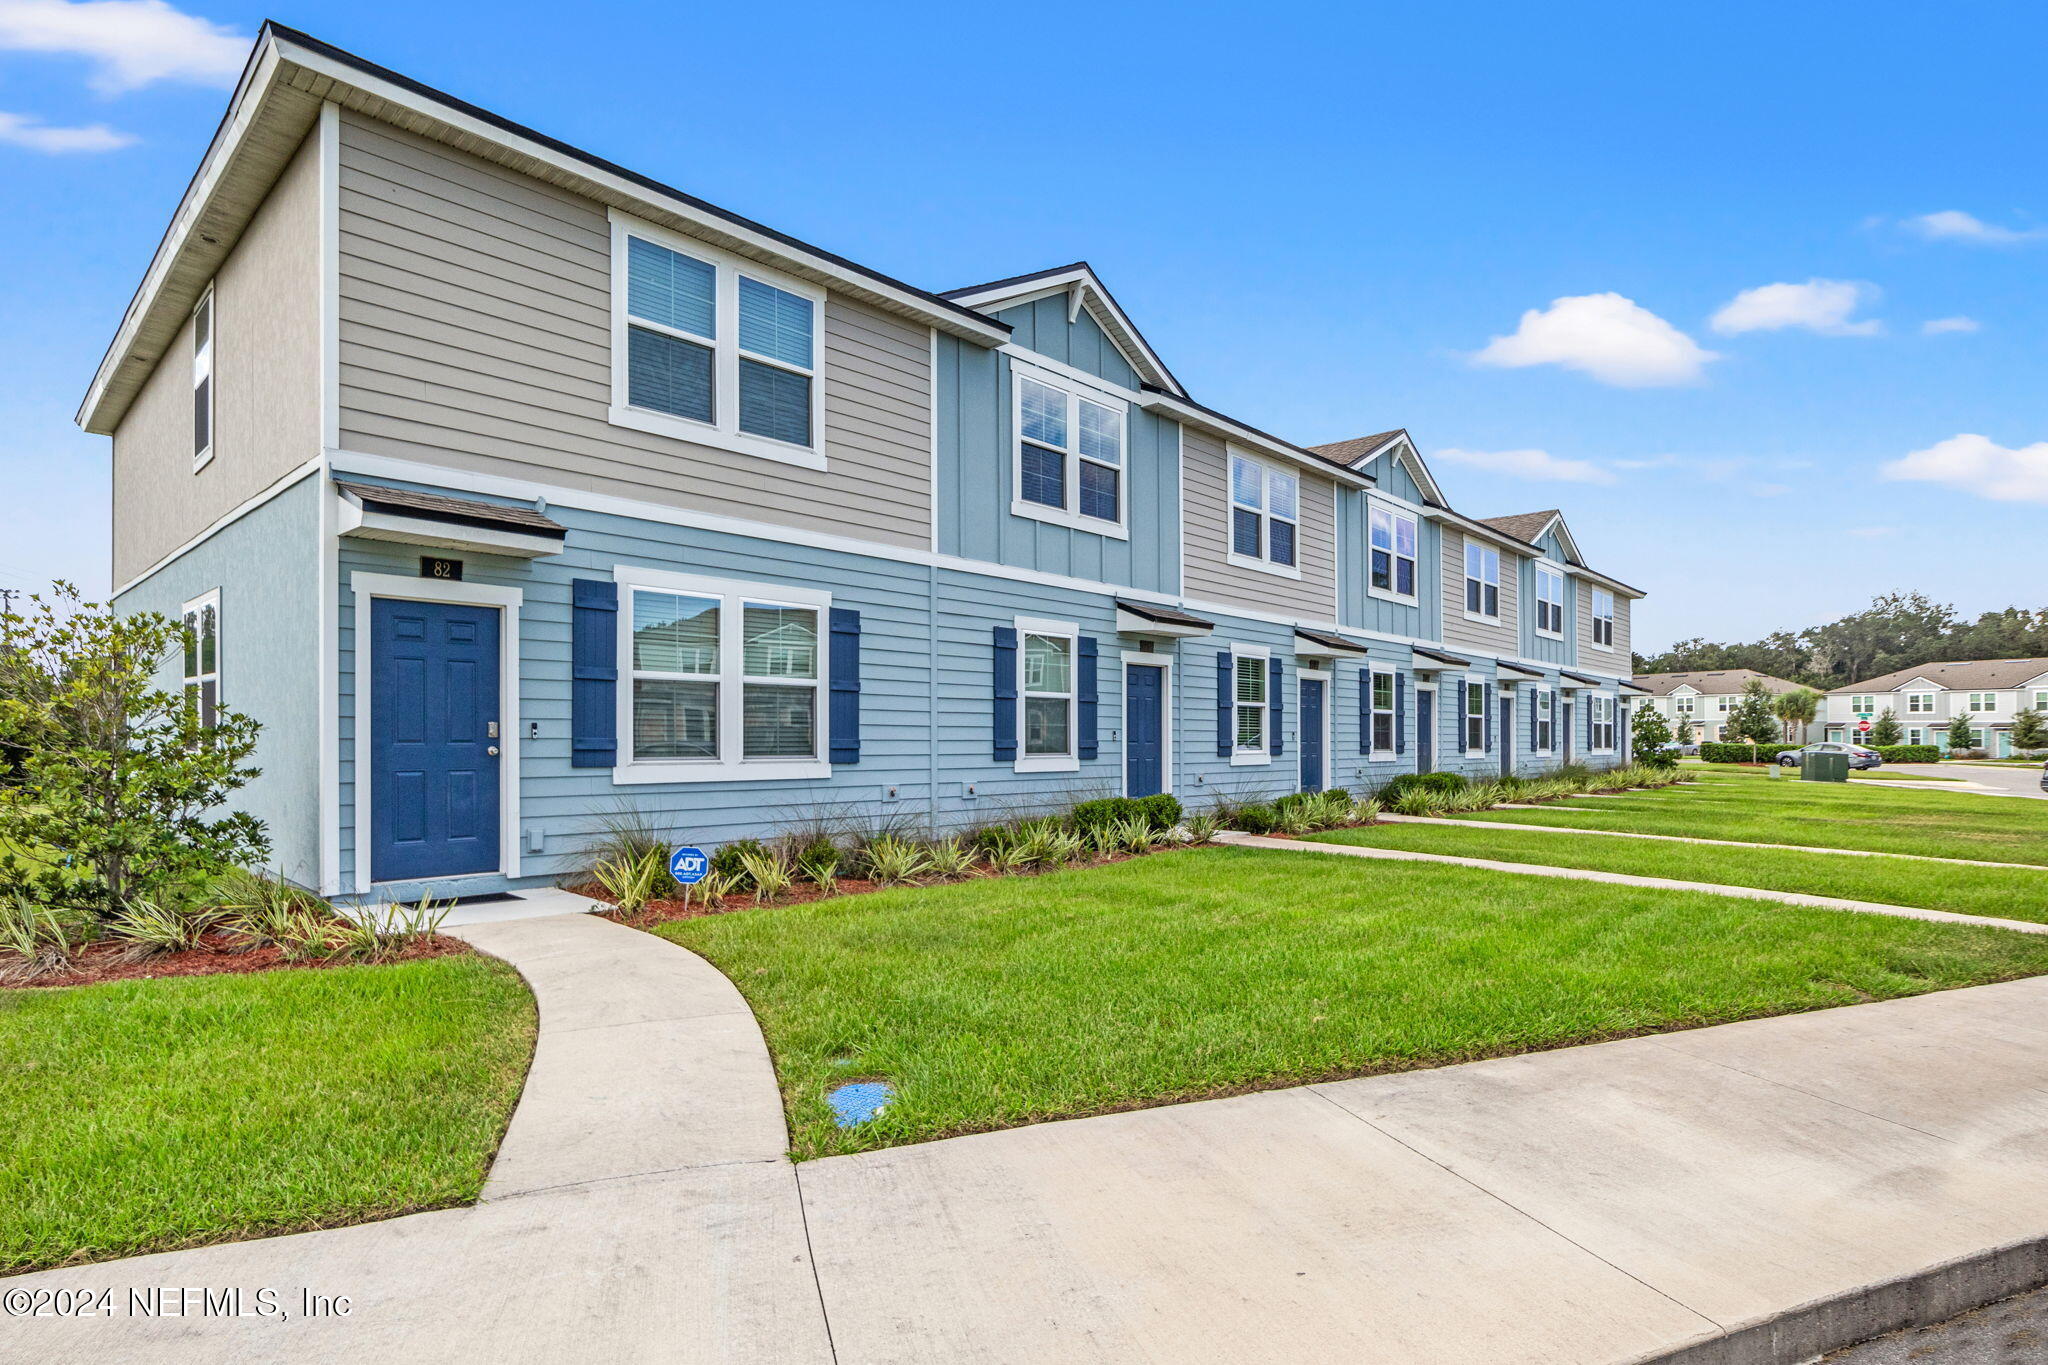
(1509, 228)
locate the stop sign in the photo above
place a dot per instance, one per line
(1862, 727)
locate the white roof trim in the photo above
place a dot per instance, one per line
(1201, 420)
(1083, 290)
(1403, 450)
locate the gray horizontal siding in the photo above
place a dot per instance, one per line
(1487, 637)
(1211, 577)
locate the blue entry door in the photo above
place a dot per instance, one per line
(433, 739)
(1144, 729)
(1425, 731)
(1312, 735)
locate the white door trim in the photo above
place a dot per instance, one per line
(1166, 730)
(369, 586)
(1327, 677)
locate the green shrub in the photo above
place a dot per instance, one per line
(1909, 753)
(730, 860)
(1105, 810)
(1163, 811)
(1743, 753)
(1444, 783)
(1257, 818)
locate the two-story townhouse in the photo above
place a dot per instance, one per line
(1927, 699)
(509, 488)
(1706, 698)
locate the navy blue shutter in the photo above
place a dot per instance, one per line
(845, 714)
(1226, 703)
(1084, 655)
(1365, 708)
(593, 673)
(1400, 713)
(1486, 707)
(1005, 694)
(1532, 719)
(1276, 709)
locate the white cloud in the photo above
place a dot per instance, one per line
(1953, 225)
(1873, 532)
(1606, 336)
(131, 43)
(1818, 305)
(1529, 464)
(1935, 327)
(1977, 464)
(20, 130)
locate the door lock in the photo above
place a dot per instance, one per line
(490, 729)
(492, 751)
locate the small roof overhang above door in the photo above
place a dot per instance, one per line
(1436, 661)
(1510, 674)
(1579, 682)
(1149, 618)
(1320, 645)
(373, 512)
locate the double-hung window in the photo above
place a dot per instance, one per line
(1922, 703)
(1475, 717)
(1070, 453)
(726, 679)
(1724, 705)
(1048, 688)
(1382, 712)
(1983, 701)
(1603, 619)
(1482, 580)
(1265, 516)
(1602, 724)
(1549, 602)
(2041, 701)
(1546, 721)
(1249, 675)
(1393, 553)
(1683, 705)
(1863, 706)
(202, 380)
(202, 657)
(714, 349)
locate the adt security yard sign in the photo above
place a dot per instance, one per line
(688, 865)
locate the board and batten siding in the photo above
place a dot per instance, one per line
(1042, 326)
(266, 377)
(476, 335)
(1486, 636)
(1357, 607)
(1211, 577)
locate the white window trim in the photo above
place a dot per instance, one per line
(1970, 706)
(369, 586)
(1262, 757)
(731, 767)
(1138, 658)
(1465, 593)
(723, 431)
(200, 604)
(1546, 721)
(1546, 568)
(1598, 617)
(1913, 710)
(203, 370)
(1466, 716)
(1069, 516)
(1070, 761)
(1374, 712)
(2040, 700)
(1267, 469)
(1613, 722)
(1378, 503)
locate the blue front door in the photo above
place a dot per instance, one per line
(1144, 729)
(433, 739)
(1311, 735)
(1425, 732)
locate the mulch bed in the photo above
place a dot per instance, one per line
(220, 953)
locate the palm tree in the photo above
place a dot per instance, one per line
(1795, 710)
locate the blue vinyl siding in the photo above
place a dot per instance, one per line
(1536, 646)
(1042, 326)
(1358, 608)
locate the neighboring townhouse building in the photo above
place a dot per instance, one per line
(1990, 692)
(509, 489)
(1707, 697)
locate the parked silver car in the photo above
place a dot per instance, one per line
(1859, 757)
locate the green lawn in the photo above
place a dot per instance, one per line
(1814, 814)
(2006, 893)
(1863, 775)
(1203, 972)
(146, 1115)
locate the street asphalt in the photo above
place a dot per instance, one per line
(2013, 1331)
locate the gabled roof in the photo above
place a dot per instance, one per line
(1084, 289)
(1719, 682)
(1360, 451)
(1963, 675)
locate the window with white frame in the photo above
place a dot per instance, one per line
(202, 379)
(1863, 706)
(1602, 721)
(1983, 701)
(1069, 459)
(202, 657)
(1382, 712)
(2041, 701)
(726, 680)
(1724, 704)
(1048, 691)
(1546, 721)
(1603, 618)
(1482, 580)
(1393, 553)
(1249, 672)
(1475, 717)
(1922, 703)
(1549, 602)
(1265, 514)
(713, 349)
(1683, 705)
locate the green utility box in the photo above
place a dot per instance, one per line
(1824, 767)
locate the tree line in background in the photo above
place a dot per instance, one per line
(1897, 630)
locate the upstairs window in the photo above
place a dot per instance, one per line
(1922, 703)
(1251, 703)
(1983, 701)
(1382, 712)
(1393, 553)
(1070, 455)
(1482, 581)
(1265, 515)
(1603, 618)
(1549, 602)
(202, 380)
(1683, 705)
(2041, 701)
(202, 657)
(1724, 704)
(711, 349)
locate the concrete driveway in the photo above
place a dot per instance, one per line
(2006, 780)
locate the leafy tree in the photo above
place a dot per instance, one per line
(1795, 711)
(1648, 734)
(123, 777)
(1960, 733)
(1885, 729)
(2029, 730)
(1684, 732)
(1753, 719)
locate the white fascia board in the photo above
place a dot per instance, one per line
(1084, 290)
(364, 524)
(1186, 415)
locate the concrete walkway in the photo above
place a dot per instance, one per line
(1749, 1193)
(1580, 874)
